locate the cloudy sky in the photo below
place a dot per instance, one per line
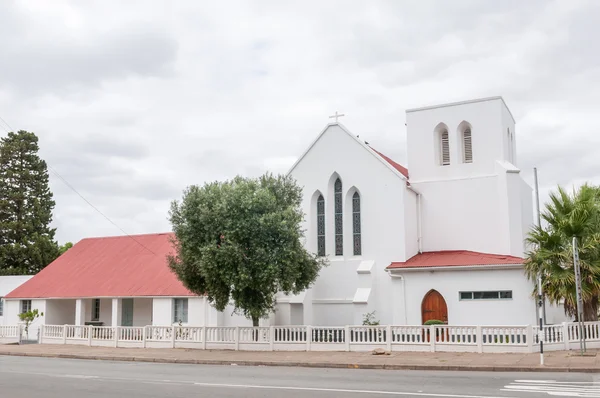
(133, 101)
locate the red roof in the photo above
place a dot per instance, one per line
(120, 266)
(403, 170)
(455, 258)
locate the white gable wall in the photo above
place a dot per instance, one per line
(383, 219)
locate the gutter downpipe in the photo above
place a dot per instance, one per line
(419, 221)
(403, 292)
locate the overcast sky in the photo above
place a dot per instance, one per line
(132, 103)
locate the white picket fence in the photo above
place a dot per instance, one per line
(312, 338)
(10, 334)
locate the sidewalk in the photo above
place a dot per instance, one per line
(557, 361)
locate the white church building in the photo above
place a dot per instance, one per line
(442, 240)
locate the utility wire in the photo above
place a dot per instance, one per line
(83, 197)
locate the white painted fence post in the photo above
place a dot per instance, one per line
(272, 337)
(388, 337)
(479, 337)
(90, 333)
(144, 337)
(237, 338)
(173, 328)
(530, 338)
(432, 337)
(308, 337)
(41, 334)
(203, 336)
(64, 334)
(116, 336)
(567, 341)
(347, 337)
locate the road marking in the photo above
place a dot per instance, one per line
(341, 390)
(559, 382)
(78, 376)
(587, 389)
(261, 387)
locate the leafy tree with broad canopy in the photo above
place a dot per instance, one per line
(551, 251)
(26, 240)
(240, 242)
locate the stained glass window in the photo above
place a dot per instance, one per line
(320, 226)
(356, 224)
(339, 226)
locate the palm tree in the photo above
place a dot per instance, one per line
(567, 216)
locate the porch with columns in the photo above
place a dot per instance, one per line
(114, 311)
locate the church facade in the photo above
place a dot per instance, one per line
(443, 239)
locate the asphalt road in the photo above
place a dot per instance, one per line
(27, 377)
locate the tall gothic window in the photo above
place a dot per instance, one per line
(320, 226)
(467, 146)
(339, 227)
(356, 224)
(445, 148)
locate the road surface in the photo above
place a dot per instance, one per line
(28, 377)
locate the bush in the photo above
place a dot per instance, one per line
(433, 322)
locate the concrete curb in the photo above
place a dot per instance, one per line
(468, 368)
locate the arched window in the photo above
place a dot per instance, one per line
(467, 146)
(356, 224)
(320, 226)
(444, 148)
(339, 227)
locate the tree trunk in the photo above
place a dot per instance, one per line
(255, 331)
(590, 310)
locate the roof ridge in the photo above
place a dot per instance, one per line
(127, 236)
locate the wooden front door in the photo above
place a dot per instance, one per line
(434, 307)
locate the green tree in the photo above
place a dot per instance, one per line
(239, 242)
(551, 251)
(26, 240)
(63, 248)
(28, 317)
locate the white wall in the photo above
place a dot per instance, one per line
(520, 310)
(333, 314)
(162, 311)
(463, 215)
(142, 312)
(196, 311)
(60, 312)
(12, 309)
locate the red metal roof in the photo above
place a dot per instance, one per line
(403, 170)
(108, 267)
(455, 258)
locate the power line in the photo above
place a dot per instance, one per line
(83, 197)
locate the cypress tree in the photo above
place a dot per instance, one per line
(27, 242)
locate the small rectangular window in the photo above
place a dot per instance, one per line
(466, 295)
(180, 310)
(486, 295)
(96, 310)
(1, 306)
(25, 306)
